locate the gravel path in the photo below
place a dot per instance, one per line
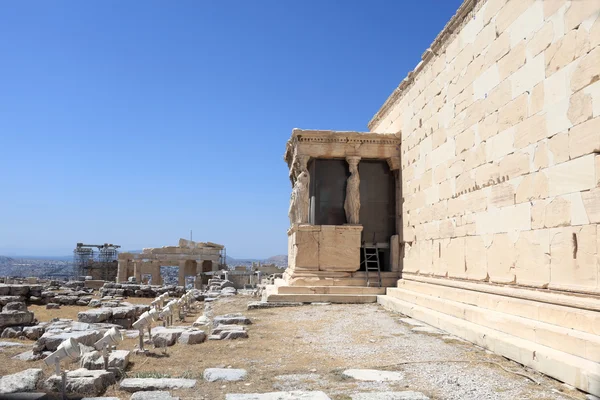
(367, 336)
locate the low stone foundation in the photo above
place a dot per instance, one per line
(555, 333)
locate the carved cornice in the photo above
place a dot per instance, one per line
(437, 47)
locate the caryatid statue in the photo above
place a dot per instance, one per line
(299, 202)
(352, 202)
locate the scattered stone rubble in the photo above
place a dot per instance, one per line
(119, 313)
(137, 290)
(82, 381)
(229, 326)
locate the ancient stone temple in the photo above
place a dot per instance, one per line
(193, 259)
(491, 214)
(345, 186)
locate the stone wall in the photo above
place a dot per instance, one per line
(500, 129)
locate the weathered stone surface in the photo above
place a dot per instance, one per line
(167, 335)
(373, 375)
(15, 306)
(152, 395)
(571, 176)
(138, 384)
(52, 306)
(255, 305)
(294, 395)
(24, 381)
(584, 138)
(19, 290)
(224, 374)
(10, 333)
(192, 337)
(408, 395)
(14, 318)
(116, 359)
(95, 315)
(82, 381)
(231, 319)
(10, 344)
(50, 340)
(221, 332)
(31, 356)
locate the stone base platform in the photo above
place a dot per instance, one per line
(280, 292)
(555, 333)
(327, 278)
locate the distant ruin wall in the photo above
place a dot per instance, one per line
(500, 128)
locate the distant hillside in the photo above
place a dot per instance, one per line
(36, 266)
(280, 260)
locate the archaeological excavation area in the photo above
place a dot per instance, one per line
(449, 252)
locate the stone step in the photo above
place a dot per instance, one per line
(576, 371)
(568, 317)
(329, 298)
(570, 341)
(330, 290)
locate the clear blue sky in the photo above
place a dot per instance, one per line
(133, 122)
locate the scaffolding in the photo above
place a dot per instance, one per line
(96, 260)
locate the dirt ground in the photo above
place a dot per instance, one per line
(307, 348)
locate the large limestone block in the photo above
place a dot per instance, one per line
(585, 138)
(587, 71)
(558, 145)
(562, 52)
(339, 248)
(514, 165)
(454, 257)
(533, 186)
(138, 384)
(514, 60)
(505, 219)
(14, 318)
(552, 6)
(580, 108)
(425, 253)
(501, 259)
(306, 248)
(513, 113)
(24, 381)
(591, 202)
(541, 40)
(579, 11)
(571, 176)
(510, 12)
(500, 145)
(533, 258)
(475, 258)
(574, 262)
(558, 213)
(540, 157)
(531, 130)
(501, 195)
(529, 75)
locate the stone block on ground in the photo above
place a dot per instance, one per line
(138, 384)
(15, 306)
(231, 319)
(10, 344)
(94, 315)
(224, 374)
(52, 306)
(34, 332)
(373, 375)
(167, 335)
(31, 356)
(25, 396)
(201, 321)
(294, 395)
(10, 333)
(408, 395)
(154, 395)
(116, 359)
(82, 381)
(15, 318)
(255, 305)
(228, 332)
(192, 337)
(24, 381)
(50, 340)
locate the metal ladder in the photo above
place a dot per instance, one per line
(371, 262)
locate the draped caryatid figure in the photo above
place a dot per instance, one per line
(352, 202)
(299, 201)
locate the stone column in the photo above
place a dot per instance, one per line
(352, 202)
(122, 270)
(181, 281)
(137, 271)
(155, 271)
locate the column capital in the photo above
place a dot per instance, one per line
(353, 160)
